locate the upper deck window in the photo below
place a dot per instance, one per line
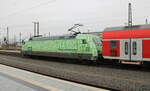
(113, 44)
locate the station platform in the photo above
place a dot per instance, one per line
(13, 51)
(13, 79)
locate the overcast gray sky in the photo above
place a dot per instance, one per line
(56, 16)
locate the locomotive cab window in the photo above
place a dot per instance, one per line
(84, 41)
(113, 44)
(97, 41)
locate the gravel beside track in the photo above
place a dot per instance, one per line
(10, 52)
(114, 78)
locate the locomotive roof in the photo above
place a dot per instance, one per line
(53, 37)
(127, 27)
(95, 33)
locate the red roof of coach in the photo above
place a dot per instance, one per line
(138, 31)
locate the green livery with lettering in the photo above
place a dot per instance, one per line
(79, 46)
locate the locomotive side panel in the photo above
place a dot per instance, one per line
(82, 47)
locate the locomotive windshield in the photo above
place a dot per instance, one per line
(97, 40)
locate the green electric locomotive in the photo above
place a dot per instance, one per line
(79, 46)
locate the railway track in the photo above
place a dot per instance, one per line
(109, 64)
(107, 76)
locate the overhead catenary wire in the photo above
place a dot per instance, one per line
(27, 9)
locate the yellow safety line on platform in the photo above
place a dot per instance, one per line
(63, 81)
(36, 83)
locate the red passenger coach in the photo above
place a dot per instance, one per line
(127, 43)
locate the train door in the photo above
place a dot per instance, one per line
(125, 49)
(131, 49)
(136, 49)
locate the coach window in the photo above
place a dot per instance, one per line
(134, 48)
(113, 44)
(126, 48)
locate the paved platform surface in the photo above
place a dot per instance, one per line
(13, 79)
(13, 51)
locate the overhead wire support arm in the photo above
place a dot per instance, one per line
(74, 27)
